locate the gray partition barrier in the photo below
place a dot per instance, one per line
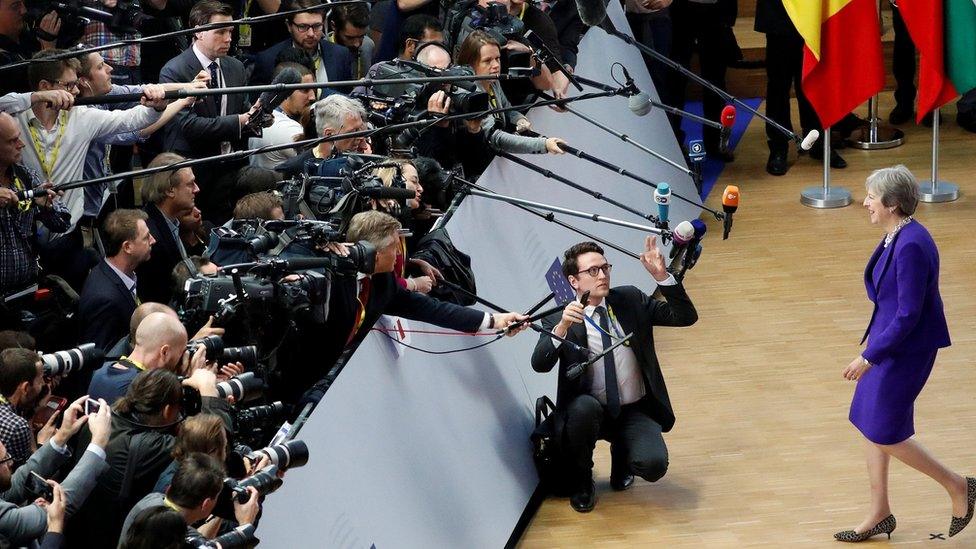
(416, 450)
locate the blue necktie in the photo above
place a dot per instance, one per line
(214, 76)
(609, 365)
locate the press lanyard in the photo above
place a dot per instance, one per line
(244, 31)
(171, 505)
(138, 365)
(612, 320)
(522, 13)
(48, 168)
(23, 205)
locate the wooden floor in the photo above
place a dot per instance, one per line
(762, 454)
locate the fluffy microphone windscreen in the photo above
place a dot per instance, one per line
(639, 104)
(592, 12)
(683, 233)
(809, 140)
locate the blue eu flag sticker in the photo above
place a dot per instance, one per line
(558, 283)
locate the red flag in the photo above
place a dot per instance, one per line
(924, 21)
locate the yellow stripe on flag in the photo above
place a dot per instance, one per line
(809, 15)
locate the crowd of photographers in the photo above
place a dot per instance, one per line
(164, 336)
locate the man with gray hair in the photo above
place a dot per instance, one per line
(335, 114)
(167, 195)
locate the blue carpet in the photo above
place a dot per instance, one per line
(693, 130)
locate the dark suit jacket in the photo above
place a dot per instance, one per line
(154, 281)
(198, 131)
(338, 62)
(637, 313)
(771, 18)
(105, 307)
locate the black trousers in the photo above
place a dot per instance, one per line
(903, 62)
(654, 31)
(636, 443)
(699, 27)
(784, 70)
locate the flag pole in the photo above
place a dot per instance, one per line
(825, 196)
(875, 136)
(934, 190)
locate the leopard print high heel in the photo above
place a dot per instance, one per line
(886, 526)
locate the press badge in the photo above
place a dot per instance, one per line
(244, 36)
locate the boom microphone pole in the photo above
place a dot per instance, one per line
(76, 52)
(183, 93)
(595, 194)
(805, 143)
(528, 323)
(614, 168)
(626, 138)
(640, 103)
(664, 233)
(470, 186)
(239, 155)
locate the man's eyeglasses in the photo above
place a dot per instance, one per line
(303, 28)
(68, 85)
(595, 271)
(7, 460)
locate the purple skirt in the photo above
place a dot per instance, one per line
(883, 408)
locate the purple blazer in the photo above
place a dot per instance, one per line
(908, 315)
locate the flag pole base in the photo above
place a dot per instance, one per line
(876, 137)
(940, 192)
(818, 197)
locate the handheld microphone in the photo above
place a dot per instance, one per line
(592, 12)
(700, 228)
(662, 196)
(809, 140)
(271, 100)
(730, 203)
(727, 120)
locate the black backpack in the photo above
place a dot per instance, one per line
(437, 249)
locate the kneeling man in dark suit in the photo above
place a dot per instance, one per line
(621, 398)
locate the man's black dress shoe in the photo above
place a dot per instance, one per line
(584, 500)
(777, 164)
(622, 482)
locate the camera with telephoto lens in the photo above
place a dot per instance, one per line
(409, 101)
(126, 17)
(244, 388)
(496, 21)
(242, 536)
(264, 481)
(255, 417)
(247, 355)
(293, 453)
(62, 363)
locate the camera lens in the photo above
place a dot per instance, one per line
(246, 355)
(264, 481)
(62, 363)
(293, 453)
(243, 388)
(213, 344)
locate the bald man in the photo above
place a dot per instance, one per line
(160, 343)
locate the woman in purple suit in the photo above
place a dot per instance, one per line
(906, 331)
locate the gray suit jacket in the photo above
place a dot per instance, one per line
(21, 525)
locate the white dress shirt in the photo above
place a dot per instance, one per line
(82, 125)
(225, 146)
(630, 382)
